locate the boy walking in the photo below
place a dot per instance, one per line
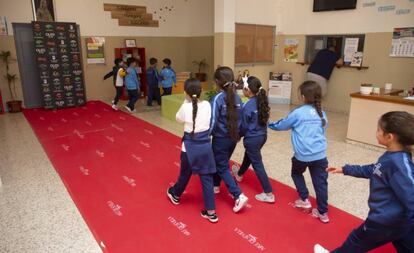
(153, 82)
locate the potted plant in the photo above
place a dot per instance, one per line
(13, 105)
(201, 65)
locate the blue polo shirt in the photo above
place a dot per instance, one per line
(324, 63)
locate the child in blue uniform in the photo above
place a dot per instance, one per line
(225, 125)
(308, 124)
(153, 82)
(391, 198)
(255, 114)
(168, 77)
(197, 154)
(132, 84)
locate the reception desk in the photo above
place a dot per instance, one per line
(367, 109)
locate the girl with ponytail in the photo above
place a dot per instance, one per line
(255, 115)
(225, 126)
(308, 123)
(196, 151)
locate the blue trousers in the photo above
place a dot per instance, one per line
(223, 148)
(252, 156)
(154, 93)
(133, 98)
(184, 178)
(372, 235)
(166, 91)
(319, 177)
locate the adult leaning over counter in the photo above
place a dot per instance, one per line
(321, 68)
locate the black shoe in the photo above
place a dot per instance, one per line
(211, 217)
(175, 200)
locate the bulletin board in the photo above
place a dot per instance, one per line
(254, 44)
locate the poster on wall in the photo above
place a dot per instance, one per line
(58, 59)
(291, 50)
(3, 26)
(402, 44)
(95, 53)
(351, 47)
(43, 10)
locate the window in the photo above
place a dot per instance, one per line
(314, 43)
(254, 44)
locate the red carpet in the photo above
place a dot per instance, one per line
(117, 169)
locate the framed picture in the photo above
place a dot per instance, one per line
(43, 10)
(130, 43)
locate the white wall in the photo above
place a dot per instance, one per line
(188, 18)
(297, 17)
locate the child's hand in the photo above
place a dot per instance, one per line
(334, 170)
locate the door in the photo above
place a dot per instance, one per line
(26, 59)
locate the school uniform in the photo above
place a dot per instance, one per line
(119, 83)
(223, 145)
(309, 145)
(391, 205)
(196, 152)
(132, 84)
(153, 86)
(168, 79)
(255, 137)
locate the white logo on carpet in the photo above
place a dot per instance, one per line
(65, 147)
(177, 147)
(145, 144)
(139, 159)
(179, 225)
(64, 120)
(109, 138)
(148, 132)
(75, 114)
(130, 181)
(50, 129)
(106, 110)
(120, 129)
(84, 170)
(115, 208)
(78, 134)
(250, 239)
(41, 118)
(88, 123)
(100, 153)
(177, 164)
(122, 118)
(97, 116)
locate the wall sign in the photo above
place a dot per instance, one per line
(43, 10)
(402, 42)
(59, 62)
(95, 53)
(291, 50)
(131, 15)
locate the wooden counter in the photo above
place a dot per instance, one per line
(367, 109)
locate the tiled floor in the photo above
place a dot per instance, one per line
(37, 215)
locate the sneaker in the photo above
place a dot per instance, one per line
(322, 217)
(216, 189)
(235, 168)
(240, 203)
(128, 109)
(211, 217)
(263, 197)
(134, 111)
(174, 199)
(113, 101)
(303, 204)
(319, 249)
(115, 107)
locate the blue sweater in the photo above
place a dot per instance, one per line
(168, 78)
(391, 198)
(308, 134)
(219, 114)
(250, 126)
(131, 79)
(152, 77)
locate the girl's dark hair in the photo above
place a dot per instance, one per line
(130, 61)
(224, 77)
(117, 61)
(192, 87)
(167, 61)
(152, 61)
(255, 86)
(401, 124)
(312, 92)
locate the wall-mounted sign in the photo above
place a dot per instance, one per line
(131, 15)
(95, 53)
(291, 50)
